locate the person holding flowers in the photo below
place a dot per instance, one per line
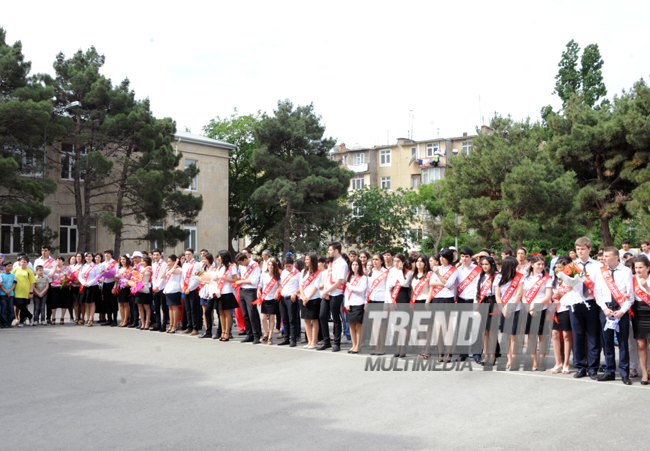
(75, 263)
(59, 291)
(140, 287)
(172, 292)
(89, 291)
(121, 289)
(561, 334)
(269, 283)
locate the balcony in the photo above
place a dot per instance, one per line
(358, 168)
(432, 162)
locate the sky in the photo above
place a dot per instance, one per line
(367, 66)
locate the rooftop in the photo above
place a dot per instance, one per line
(203, 140)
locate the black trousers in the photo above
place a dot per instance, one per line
(134, 313)
(209, 308)
(193, 310)
(160, 306)
(110, 301)
(585, 324)
(289, 312)
(623, 343)
(251, 314)
(22, 308)
(333, 306)
(48, 305)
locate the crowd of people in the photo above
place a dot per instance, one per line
(610, 303)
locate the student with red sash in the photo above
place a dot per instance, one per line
(75, 268)
(420, 280)
(332, 297)
(89, 290)
(468, 275)
(585, 318)
(508, 291)
(172, 292)
(47, 262)
(159, 266)
(123, 294)
(190, 287)
(561, 335)
(356, 294)
(110, 301)
(377, 280)
(266, 293)
(538, 289)
(398, 284)
(485, 294)
(641, 310)
(134, 320)
(209, 271)
(224, 293)
(142, 295)
(310, 280)
(249, 277)
(364, 258)
(288, 294)
(444, 280)
(614, 293)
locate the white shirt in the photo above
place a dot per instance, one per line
(158, 274)
(264, 281)
(104, 266)
(394, 277)
(470, 290)
(622, 252)
(379, 293)
(146, 278)
(638, 299)
(314, 283)
(74, 268)
(503, 288)
(592, 268)
(254, 277)
(623, 279)
(193, 268)
(339, 272)
(292, 285)
(425, 288)
(227, 286)
(479, 285)
(173, 285)
(531, 280)
(87, 276)
(449, 290)
(41, 262)
(358, 294)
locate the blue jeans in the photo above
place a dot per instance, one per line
(346, 325)
(6, 309)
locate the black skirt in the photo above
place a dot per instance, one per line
(59, 297)
(404, 296)
(100, 303)
(491, 300)
(515, 322)
(123, 295)
(540, 330)
(227, 301)
(443, 300)
(90, 295)
(271, 307)
(142, 298)
(173, 299)
(563, 322)
(641, 320)
(74, 296)
(310, 311)
(355, 314)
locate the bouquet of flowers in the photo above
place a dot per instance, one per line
(571, 275)
(109, 273)
(135, 281)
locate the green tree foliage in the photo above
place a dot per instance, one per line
(302, 180)
(438, 219)
(25, 112)
(246, 216)
(509, 186)
(380, 218)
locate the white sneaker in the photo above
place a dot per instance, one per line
(26, 322)
(35, 323)
(20, 324)
(14, 322)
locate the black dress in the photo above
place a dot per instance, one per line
(404, 296)
(271, 307)
(59, 297)
(310, 311)
(355, 314)
(641, 320)
(562, 321)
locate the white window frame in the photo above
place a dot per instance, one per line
(359, 158)
(13, 234)
(194, 183)
(385, 182)
(344, 160)
(70, 154)
(416, 181)
(385, 157)
(156, 226)
(432, 149)
(192, 240)
(414, 153)
(466, 146)
(431, 174)
(358, 182)
(66, 229)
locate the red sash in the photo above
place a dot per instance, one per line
(286, 281)
(512, 288)
(468, 280)
(188, 274)
(611, 285)
(645, 297)
(310, 279)
(396, 288)
(329, 275)
(484, 289)
(354, 283)
(169, 274)
(202, 284)
(47, 263)
(436, 290)
(376, 282)
(266, 291)
(418, 288)
(530, 297)
(85, 274)
(250, 270)
(590, 284)
(223, 282)
(157, 273)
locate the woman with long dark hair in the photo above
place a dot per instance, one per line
(641, 310)
(538, 289)
(58, 292)
(485, 294)
(75, 269)
(123, 268)
(364, 258)
(398, 285)
(172, 291)
(561, 334)
(443, 287)
(508, 291)
(420, 281)
(142, 296)
(522, 260)
(209, 273)
(310, 280)
(356, 293)
(377, 280)
(269, 283)
(226, 275)
(89, 291)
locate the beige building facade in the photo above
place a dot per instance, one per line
(210, 230)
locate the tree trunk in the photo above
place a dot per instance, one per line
(76, 176)
(287, 231)
(120, 202)
(605, 234)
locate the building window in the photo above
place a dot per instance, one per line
(18, 234)
(68, 161)
(414, 153)
(67, 235)
(416, 234)
(359, 158)
(357, 182)
(158, 225)
(415, 181)
(194, 183)
(190, 241)
(344, 160)
(466, 147)
(355, 210)
(384, 157)
(432, 149)
(385, 183)
(431, 175)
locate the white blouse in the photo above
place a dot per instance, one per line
(379, 293)
(314, 283)
(449, 290)
(264, 281)
(356, 295)
(173, 283)
(89, 277)
(530, 280)
(425, 289)
(503, 288)
(395, 276)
